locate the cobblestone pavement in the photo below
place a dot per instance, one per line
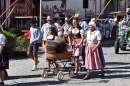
(117, 71)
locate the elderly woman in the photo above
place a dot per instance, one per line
(76, 37)
(94, 54)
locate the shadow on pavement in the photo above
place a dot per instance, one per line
(42, 83)
(114, 70)
(19, 77)
(108, 43)
(117, 63)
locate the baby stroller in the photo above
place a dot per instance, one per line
(58, 54)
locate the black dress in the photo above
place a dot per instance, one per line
(4, 60)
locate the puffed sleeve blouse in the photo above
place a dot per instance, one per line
(94, 37)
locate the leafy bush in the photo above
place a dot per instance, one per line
(21, 43)
(14, 31)
(10, 42)
(17, 46)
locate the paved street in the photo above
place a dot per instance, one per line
(117, 71)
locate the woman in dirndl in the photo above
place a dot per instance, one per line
(76, 37)
(4, 60)
(94, 53)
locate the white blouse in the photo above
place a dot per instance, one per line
(94, 37)
(51, 37)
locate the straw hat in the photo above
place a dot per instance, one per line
(49, 18)
(93, 20)
(77, 15)
(66, 18)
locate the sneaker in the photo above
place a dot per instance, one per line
(34, 68)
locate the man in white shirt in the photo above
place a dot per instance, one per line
(62, 11)
(56, 12)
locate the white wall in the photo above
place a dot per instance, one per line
(76, 5)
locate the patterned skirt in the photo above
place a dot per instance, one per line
(92, 60)
(77, 51)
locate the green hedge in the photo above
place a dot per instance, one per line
(17, 44)
(14, 31)
(10, 42)
(21, 43)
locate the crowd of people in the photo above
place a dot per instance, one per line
(85, 40)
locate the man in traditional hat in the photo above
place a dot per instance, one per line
(84, 26)
(66, 27)
(45, 30)
(93, 20)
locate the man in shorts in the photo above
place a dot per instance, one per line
(35, 39)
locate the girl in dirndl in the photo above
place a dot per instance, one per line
(94, 54)
(51, 36)
(76, 37)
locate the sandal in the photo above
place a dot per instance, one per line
(76, 72)
(48, 69)
(86, 77)
(102, 74)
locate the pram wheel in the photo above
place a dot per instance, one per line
(44, 73)
(55, 71)
(60, 76)
(71, 73)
